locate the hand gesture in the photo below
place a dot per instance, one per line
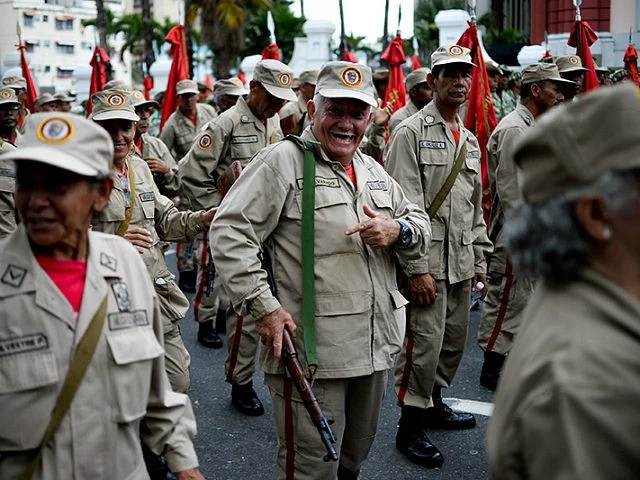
(157, 166)
(380, 231)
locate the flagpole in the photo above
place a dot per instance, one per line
(472, 11)
(577, 4)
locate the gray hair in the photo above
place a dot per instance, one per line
(546, 240)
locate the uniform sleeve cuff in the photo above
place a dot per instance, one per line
(185, 460)
(416, 268)
(263, 305)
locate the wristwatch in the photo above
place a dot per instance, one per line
(404, 238)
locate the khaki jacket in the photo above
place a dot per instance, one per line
(503, 178)
(7, 192)
(373, 142)
(158, 215)
(359, 311)
(152, 147)
(236, 134)
(402, 114)
(567, 403)
(178, 132)
(420, 156)
(125, 393)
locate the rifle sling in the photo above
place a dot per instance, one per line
(448, 183)
(79, 364)
(128, 213)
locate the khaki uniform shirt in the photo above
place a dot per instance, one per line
(7, 192)
(298, 109)
(179, 132)
(373, 142)
(152, 147)
(158, 215)
(125, 393)
(567, 403)
(359, 311)
(503, 178)
(402, 114)
(236, 134)
(421, 154)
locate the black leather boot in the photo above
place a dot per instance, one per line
(412, 440)
(491, 369)
(442, 417)
(207, 336)
(245, 400)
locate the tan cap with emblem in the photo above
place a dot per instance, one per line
(276, 78)
(416, 77)
(111, 105)
(229, 86)
(117, 85)
(187, 87)
(139, 101)
(346, 80)
(45, 98)
(539, 72)
(63, 97)
(577, 142)
(8, 95)
(66, 141)
(451, 54)
(569, 63)
(14, 82)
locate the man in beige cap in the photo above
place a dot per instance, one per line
(508, 290)
(204, 90)
(178, 134)
(293, 116)
(9, 115)
(83, 380)
(419, 92)
(46, 103)
(19, 85)
(363, 224)
(436, 160)
(64, 101)
(570, 67)
(9, 106)
(226, 93)
(567, 403)
(237, 134)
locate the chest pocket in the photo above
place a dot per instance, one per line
(29, 384)
(133, 351)
(382, 200)
(472, 162)
(147, 202)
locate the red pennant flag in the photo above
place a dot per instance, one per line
(631, 64)
(415, 63)
(179, 70)
(481, 117)
(582, 37)
(395, 58)
(32, 93)
(242, 77)
(148, 86)
(98, 62)
(547, 55)
(348, 56)
(271, 52)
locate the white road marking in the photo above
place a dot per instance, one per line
(470, 406)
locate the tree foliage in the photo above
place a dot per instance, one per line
(425, 27)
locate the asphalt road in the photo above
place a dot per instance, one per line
(232, 446)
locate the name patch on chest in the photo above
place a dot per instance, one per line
(433, 145)
(121, 320)
(377, 185)
(244, 139)
(27, 343)
(473, 154)
(146, 197)
(7, 172)
(321, 182)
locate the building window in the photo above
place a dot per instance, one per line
(45, 18)
(30, 47)
(47, 68)
(65, 48)
(45, 43)
(64, 24)
(27, 20)
(64, 72)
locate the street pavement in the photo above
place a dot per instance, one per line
(232, 446)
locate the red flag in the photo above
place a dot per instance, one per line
(32, 94)
(98, 62)
(348, 56)
(481, 117)
(242, 77)
(631, 64)
(582, 37)
(395, 57)
(415, 63)
(271, 52)
(547, 55)
(179, 70)
(148, 86)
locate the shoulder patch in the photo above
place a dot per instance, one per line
(14, 276)
(26, 343)
(205, 141)
(430, 144)
(108, 261)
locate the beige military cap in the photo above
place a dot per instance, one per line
(346, 80)
(276, 78)
(113, 104)
(451, 54)
(309, 76)
(229, 86)
(538, 72)
(117, 85)
(600, 69)
(416, 77)
(45, 98)
(63, 97)
(138, 100)
(577, 142)
(187, 86)
(493, 66)
(203, 85)
(8, 95)
(66, 141)
(569, 63)
(14, 82)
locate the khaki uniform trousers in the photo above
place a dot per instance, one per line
(433, 345)
(507, 295)
(354, 405)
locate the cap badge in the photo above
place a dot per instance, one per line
(6, 93)
(55, 131)
(456, 50)
(205, 142)
(116, 100)
(284, 79)
(351, 77)
(573, 60)
(137, 95)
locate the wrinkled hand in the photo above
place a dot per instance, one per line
(382, 114)
(270, 328)
(482, 278)
(157, 166)
(207, 216)
(422, 289)
(140, 238)
(380, 231)
(192, 474)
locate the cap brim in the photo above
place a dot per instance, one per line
(51, 156)
(115, 115)
(14, 86)
(10, 101)
(344, 93)
(280, 92)
(562, 81)
(236, 93)
(454, 60)
(574, 69)
(195, 91)
(152, 103)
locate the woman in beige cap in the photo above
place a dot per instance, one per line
(82, 379)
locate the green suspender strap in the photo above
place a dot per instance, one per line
(124, 226)
(308, 255)
(79, 364)
(448, 183)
